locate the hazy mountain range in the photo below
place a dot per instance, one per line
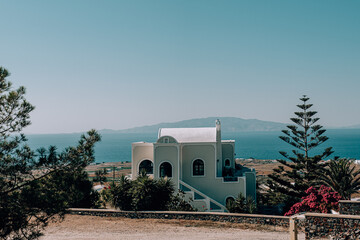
(354, 126)
(228, 124)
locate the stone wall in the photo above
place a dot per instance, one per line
(318, 226)
(349, 207)
(220, 217)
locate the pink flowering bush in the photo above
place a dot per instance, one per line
(320, 200)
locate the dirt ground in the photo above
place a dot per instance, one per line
(106, 228)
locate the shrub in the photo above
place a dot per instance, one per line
(163, 192)
(100, 176)
(72, 189)
(242, 205)
(341, 175)
(178, 203)
(121, 194)
(321, 200)
(105, 196)
(145, 194)
(150, 194)
(80, 192)
(142, 194)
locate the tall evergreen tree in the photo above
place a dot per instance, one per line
(300, 170)
(30, 191)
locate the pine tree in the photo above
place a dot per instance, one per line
(301, 170)
(31, 189)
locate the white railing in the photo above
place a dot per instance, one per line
(222, 207)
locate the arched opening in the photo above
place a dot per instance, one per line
(198, 167)
(165, 170)
(227, 163)
(147, 166)
(166, 139)
(229, 201)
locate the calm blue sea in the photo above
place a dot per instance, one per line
(259, 145)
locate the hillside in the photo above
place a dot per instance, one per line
(228, 124)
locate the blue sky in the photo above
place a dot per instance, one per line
(120, 64)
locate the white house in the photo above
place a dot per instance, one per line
(198, 162)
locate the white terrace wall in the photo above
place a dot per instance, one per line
(167, 153)
(140, 152)
(209, 184)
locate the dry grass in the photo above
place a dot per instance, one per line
(212, 224)
(77, 227)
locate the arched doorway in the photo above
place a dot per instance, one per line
(147, 166)
(227, 163)
(229, 201)
(165, 170)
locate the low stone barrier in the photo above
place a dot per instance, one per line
(316, 225)
(336, 226)
(349, 207)
(218, 217)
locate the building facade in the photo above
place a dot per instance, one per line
(199, 163)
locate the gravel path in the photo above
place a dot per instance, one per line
(106, 228)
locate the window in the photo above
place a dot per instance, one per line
(147, 166)
(166, 140)
(165, 170)
(227, 163)
(198, 167)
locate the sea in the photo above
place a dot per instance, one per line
(116, 147)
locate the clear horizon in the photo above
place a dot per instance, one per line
(146, 125)
(123, 64)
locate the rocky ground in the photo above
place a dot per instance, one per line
(106, 228)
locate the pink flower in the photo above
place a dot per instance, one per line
(318, 200)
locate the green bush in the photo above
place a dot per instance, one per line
(121, 194)
(76, 189)
(145, 193)
(242, 205)
(178, 203)
(100, 176)
(150, 194)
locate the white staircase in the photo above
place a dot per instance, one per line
(201, 201)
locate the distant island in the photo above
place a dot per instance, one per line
(228, 124)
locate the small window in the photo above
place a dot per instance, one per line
(147, 166)
(166, 140)
(165, 170)
(198, 167)
(227, 163)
